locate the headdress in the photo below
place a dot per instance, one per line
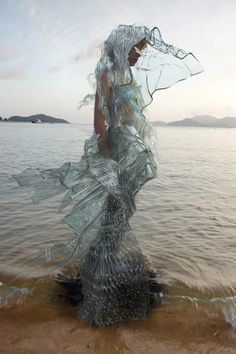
(161, 65)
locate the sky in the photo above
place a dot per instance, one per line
(49, 47)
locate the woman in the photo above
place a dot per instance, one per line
(116, 282)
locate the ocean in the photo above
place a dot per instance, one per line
(185, 223)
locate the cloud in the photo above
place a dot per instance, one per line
(56, 68)
(15, 73)
(6, 52)
(32, 10)
(92, 51)
(29, 7)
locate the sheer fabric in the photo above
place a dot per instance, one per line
(99, 191)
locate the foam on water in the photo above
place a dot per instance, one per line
(10, 295)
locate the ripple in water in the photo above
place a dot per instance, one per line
(185, 220)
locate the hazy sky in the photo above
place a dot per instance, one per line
(48, 47)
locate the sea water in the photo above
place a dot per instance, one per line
(185, 223)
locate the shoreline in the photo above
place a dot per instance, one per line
(38, 328)
(41, 324)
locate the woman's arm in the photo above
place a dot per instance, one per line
(99, 119)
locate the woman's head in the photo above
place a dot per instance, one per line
(123, 39)
(136, 51)
(120, 51)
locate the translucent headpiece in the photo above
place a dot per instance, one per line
(160, 66)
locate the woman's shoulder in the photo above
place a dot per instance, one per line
(106, 78)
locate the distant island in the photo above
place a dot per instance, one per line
(196, 121)
(36, 118)
(200, 121)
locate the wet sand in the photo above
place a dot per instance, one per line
(35, 328)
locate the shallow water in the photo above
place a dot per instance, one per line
(185, 222)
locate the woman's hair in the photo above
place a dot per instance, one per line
(115, 51)
(160, 67)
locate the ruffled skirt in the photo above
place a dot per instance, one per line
(99, 192)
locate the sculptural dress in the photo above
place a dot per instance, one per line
(99, 192)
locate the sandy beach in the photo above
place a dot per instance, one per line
(36, 328)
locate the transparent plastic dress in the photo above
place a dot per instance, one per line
(100, 189)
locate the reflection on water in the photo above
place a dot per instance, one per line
(185, 220)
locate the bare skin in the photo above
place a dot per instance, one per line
(135, 52)
(99, 119)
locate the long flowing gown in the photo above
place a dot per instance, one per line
(113, 271)
(99, 190)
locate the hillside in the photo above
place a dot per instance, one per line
(42, 117)
(159, 123)
(187, 122)
(227, 122)
(201, 121)
(205, 120)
